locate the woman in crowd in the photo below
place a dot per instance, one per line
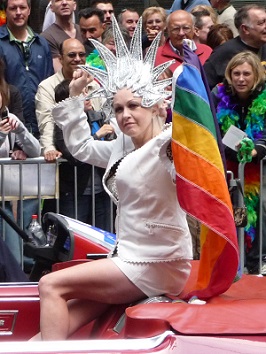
(108, 38)
(241, 101)
(12, 94)
(15, 142)
(219, 34)
(153, 250)
(154, 21)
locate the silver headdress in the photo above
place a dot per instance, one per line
(129, 69)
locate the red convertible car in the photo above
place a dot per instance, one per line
(233, 322)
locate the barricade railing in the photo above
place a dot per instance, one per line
(34, 178)
(111, 216)
(239, 201)
(240, 230)
(262, 209)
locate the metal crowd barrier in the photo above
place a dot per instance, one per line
(34, 178)
(262, 210)
(239, 200)
(240, 230)
(262, 215)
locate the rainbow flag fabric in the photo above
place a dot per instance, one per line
(201, 184)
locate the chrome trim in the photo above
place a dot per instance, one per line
(2, 322)
(150, 300)
(19, 298)
(88, 346)
(18, 284)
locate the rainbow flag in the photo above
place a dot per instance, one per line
(201, 184)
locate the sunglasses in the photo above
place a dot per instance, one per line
(26, 50)
(73, 55)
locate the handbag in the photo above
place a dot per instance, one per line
(240, 213)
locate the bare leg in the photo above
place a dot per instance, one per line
(95, 285)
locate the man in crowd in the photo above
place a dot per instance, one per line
(250, 20)
(49, 17)
(107, 7)
(128, 18)
(92, 26)
(180, 27)
(26, 55)
(202, 25)
(187, 5)
(225, 14)
(72, 54)
(63, 28)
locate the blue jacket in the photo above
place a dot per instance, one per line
(26, 75)
(179, 5)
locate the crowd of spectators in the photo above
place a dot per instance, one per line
(37, 66)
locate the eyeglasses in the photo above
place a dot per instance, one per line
(26, 50)
(73, 55)
(186, 29)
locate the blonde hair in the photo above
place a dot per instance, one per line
(253, 60)
(153, 10)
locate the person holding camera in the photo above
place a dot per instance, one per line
(89, 180)
(15, 142)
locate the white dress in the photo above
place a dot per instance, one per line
(154, 246)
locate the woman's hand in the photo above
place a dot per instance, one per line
(151, 34)
(245, 150)
(254, 153)
(79, 81)
(5, 126)
(18, 155)
(11, 124)
(14, 123)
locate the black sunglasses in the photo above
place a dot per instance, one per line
(73, 55)
(26, 50)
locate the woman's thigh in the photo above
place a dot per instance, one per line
(99, 280)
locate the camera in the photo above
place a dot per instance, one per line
(4, 114)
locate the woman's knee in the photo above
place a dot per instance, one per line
(47, 285)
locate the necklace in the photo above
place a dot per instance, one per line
(254, 125)
(254, 120)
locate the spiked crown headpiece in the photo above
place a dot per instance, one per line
(129, 69)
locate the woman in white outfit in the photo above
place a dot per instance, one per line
(153, 250)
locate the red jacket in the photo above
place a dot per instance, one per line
(166, 53)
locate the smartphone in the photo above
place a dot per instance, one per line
(4, 115)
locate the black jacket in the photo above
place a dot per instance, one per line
(214, 67)
(66, 170)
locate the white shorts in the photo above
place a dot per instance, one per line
(156, 278)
